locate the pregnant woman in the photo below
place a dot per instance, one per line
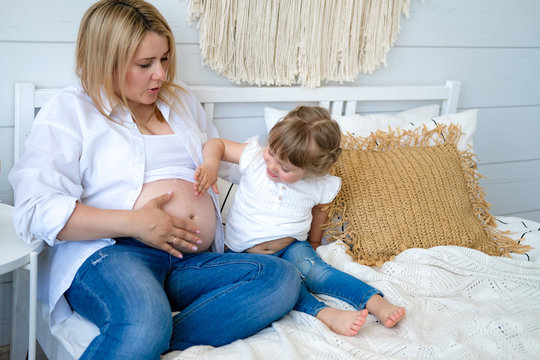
(106, 182)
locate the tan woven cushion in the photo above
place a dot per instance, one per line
(399, 193)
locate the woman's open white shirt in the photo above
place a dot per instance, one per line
(74, 153)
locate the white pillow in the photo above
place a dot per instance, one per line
(466, 119)
(272, 116)
(364, 125)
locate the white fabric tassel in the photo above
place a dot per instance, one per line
(289, 42)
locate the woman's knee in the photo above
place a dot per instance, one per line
(279, 281)
(284, 281)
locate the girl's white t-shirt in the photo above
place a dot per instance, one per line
(265, 210)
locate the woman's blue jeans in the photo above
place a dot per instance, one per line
(321, 278)
(129, 290)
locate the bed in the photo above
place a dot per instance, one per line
(461, 302)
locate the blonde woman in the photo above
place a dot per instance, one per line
(106, 182)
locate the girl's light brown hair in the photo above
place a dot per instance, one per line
(109, 34)
(308, 138)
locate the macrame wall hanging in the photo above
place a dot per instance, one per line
(296, 42)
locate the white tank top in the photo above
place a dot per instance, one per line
(167, 158)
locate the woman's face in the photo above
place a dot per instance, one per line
(147, 70)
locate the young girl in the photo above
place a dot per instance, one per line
(280, 204)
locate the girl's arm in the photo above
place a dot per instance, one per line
(316, 232)
(214, 151)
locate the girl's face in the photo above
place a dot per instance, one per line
(147, 70)
(280, 171)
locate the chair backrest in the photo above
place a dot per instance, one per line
(339, 100)
(28, 100)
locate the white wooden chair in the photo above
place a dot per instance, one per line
(18, 255)
(71, 337)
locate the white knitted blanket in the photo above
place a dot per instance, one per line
(461, 304)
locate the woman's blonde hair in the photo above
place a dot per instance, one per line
(109, 34)
(308, 138)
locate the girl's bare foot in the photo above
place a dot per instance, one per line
(387, 313)
(343, 322)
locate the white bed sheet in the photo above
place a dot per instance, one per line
(461, 304)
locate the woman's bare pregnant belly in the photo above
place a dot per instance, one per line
(184, 205)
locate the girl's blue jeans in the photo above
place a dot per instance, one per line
(321, 278)
(129, 290)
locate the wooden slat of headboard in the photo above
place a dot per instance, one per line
(350, 107)
(25, 107)
(340, 100)
(333, 97)
(336, 108)
(228, 94)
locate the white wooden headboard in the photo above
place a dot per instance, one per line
(339, 100)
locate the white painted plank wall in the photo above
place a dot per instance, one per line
(492, 46)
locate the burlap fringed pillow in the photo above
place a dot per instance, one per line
(411, 189)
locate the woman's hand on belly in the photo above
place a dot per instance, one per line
(156, 228)
(196, 212)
